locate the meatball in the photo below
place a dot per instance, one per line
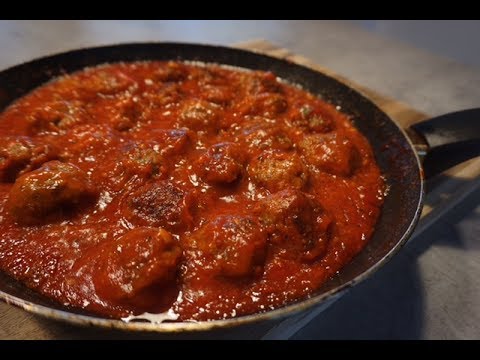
(141, 258)
(235, 245)
(331, 154)
(58, 116)
(166, 95)
(103, 82)
(144, 161)
(217, 94)
(221, 164)
(50, 192)
(161, 204)
(15, 155)
(296, 223)
(261, 82)
(264, 104)
(270, 104)
(171, 72)
(282, 206)
(199, 115)
(313, 119)
(123, 112)
(277, 170)
(20, 154)
(258, 133)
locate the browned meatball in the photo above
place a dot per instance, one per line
(104, 82)
(296, 223)
(122, 113)
(15, 154)
(313, 119)
(50, 192)
(171, 72)
(58, 116)
(284, 206)
(217, 94)
(144, 161)
(271, 104)
(164, 96)
(264, 104)
(221, 164)
(142, 258)
(261, 82)
(161, 204)
(258, 133)
(20, 154)
(150, 157)
(330, 154)
(210, 76)
(199, 115)
(235, 245)
(277, 170)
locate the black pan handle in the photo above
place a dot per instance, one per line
(451, 139)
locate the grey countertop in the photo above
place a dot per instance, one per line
(431, 290)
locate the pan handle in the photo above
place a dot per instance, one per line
(451, 139)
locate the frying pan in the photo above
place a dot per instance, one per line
(443, 141)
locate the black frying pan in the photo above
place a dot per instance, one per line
(448, 140)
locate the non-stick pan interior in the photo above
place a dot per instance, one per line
(393, 151)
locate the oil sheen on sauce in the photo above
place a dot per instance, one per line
(197, 191)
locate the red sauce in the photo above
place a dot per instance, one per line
(208, 191)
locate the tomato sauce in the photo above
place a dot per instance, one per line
(204, 191)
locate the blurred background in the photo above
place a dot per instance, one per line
(381, 54)
(456, 39)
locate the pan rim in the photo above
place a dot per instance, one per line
(287, 310)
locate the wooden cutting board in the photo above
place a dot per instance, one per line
(443, 193)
